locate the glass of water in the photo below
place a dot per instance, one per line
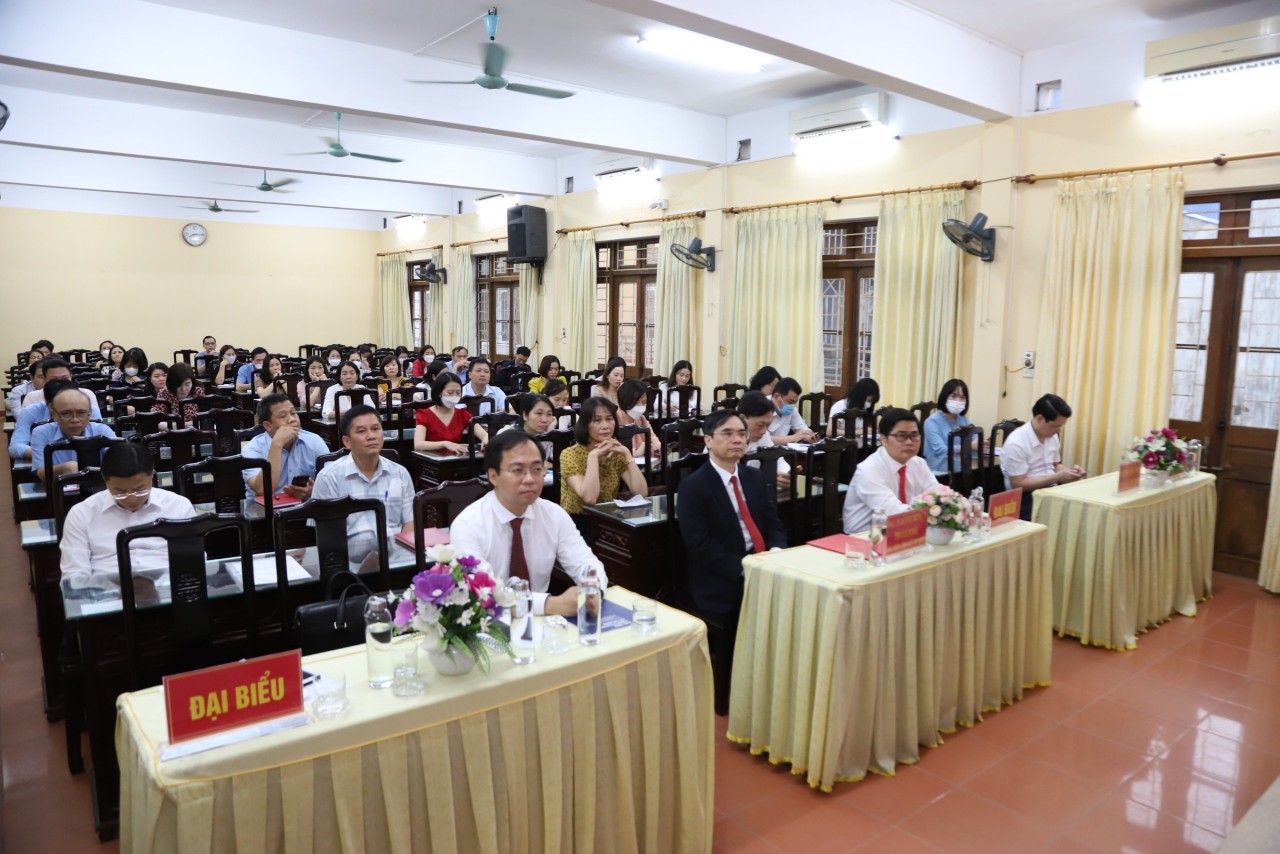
(644, 617)
(521, 621)
(406, 679)
(331, 695)
(555, 635)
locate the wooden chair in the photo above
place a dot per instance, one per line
(923, 410)
(683, 437)
(143, 423)
(818, 404)
(203, 403)
(580, 390)
(862, 426)
(88, 450)
(626, 434)
(726, 391)
(560, 441)
(68, 490)
(827, 467)
(226, 425)
(321, 387)
(999, 434)
(687, 401)
(225, 486)
(566, 412)
(353, 397)
(184, 356)
(438, 506)
(516, 402)
(479, 404)
(567, 376)
(172, 449)
(965, 462)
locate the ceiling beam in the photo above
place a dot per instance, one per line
(882, 43)
(157, 45)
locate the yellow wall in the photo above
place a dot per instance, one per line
(79, 278)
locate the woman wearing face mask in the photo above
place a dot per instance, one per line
(316, 372)
(615, 371)
(953, 403)
(225, 374)
(115, 356)
(441, 428)
(132, 368)
(864, 394)
(594, 469)
(348, 378)
(104, 350)
(632, 398)
(333, 358)
(425, 357)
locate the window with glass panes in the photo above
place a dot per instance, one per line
(848, 300)
(497, 307)
(419, 303)
(626, 298)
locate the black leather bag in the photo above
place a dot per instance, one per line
(335, 623)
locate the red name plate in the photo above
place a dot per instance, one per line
(1005, 507)
(1129, 473)
(906, 531)
(231, 695)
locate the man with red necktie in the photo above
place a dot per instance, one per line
(892, 477)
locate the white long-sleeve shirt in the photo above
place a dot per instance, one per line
(89, 534)
(875, 487)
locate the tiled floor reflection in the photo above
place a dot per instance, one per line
(1158, 750)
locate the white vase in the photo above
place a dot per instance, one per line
(448, 661)
(1159, 478)
(936, 536)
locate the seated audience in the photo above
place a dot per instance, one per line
(88, 544)
(333, 357)
(35, 407)
(548, 369)
(104, 350)
(787, 425)
(757, 411)
(517, 532)
(208, 357)
(315, 372)
(133, 368)
(156, 373)
(425, 357)
(1031, 457)
(441, 428)
(114, 361)
(21, 390)
(681, 374)
(953, 403)
(615, 371)
(392, 377)
(365, 473)
(864, 394)
(289, 449)
(244, 376)
(71, 416)
(764, 380)
(891, 478)
(348, 378)
(479, 386)
(633, 397)
(594, 468)
(264, 379)
(179, 384)
(460, 364)
(221, 371)
(558, 393)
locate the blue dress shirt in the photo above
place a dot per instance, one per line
(296, 461)
(52, 432)
(936, 429)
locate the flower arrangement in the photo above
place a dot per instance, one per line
(1162, 450)
(947, 508)
(455, 599)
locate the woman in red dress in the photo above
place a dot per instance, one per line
(440, 428)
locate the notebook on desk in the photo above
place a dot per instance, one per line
(837, 542)
(430, 537)
(277, 500)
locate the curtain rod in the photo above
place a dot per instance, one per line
(1220, 160)
(958, 185)
(481, 240)
(411, 251)
(629, 223)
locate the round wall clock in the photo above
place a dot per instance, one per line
(195, 234)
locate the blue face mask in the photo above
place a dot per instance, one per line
(787, 409)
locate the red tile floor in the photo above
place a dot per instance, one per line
(1159, 750)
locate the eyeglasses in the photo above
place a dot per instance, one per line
(730, 434)
(125, 496)
(74, 414)
(906, 437)
(519, 472)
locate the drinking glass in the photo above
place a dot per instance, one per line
(555, 635)
(331, 695)
(644, 617)
(854, 559)
(406, 679)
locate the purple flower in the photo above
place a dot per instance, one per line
(1149, 459)
(404, 612)
(469, 561)
(432, 587)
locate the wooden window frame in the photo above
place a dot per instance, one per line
(610, 276)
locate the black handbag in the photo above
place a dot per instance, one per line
(334, 623)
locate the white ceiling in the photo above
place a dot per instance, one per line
(160, 98)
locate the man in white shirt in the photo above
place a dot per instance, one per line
(57, 369)
(1031, 457)
(365, 473)
(89, 534)
(787, 425)
(758, 411)
(518, 532)
(892, 477)
(478, 386)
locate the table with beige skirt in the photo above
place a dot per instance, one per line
(597, 749)
(1125, 563)
(840, 672)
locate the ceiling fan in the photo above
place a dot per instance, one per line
(214, 207)
(696, 255)
(973, 237)
(495, 56)
(336, 148)
(267, 186)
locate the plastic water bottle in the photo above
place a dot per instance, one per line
(976, 506)
(1194, 449)
(590, 609)
(879, 526)
(377, 642)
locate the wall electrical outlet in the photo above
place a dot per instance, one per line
(1029, 363)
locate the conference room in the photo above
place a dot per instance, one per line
(1030, 199)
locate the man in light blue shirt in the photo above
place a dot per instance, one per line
(244, 376)
(36, 370)
(365, 473)
(479, 387)
(291, 451)
(71, 416)
(34, 413)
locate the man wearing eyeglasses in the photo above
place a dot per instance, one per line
(892, 477)
(1032, 455)
(71, 414)
(89, 532)
(519, 533)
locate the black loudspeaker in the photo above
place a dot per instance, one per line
(526, 234)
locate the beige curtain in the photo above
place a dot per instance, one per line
(917, 282)
(775, 294)
(530, 294)
(1269, 570)
(393, 300)
(435, 307)
(676, 302)
(578, 352)
(1107, 323)
(462, 303)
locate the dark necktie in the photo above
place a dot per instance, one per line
(756, 539)
(517, 568)
(902, 484)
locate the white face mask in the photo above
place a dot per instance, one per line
(450, 399)
(636, 411)
(955, 407)
(106, 354)
(130, 372)
(335, 362)
(229, 358)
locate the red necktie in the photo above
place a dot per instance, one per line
(756, 539)
(517, 568)
(902, 484)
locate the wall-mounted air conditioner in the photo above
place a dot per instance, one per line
(1240, 44)
(838, 116)
(614, 165)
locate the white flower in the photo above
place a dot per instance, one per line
(935, 511)
(504, 597)
(459, 595)
(442, 554)
(464, 619)
(1157, 444)
(485, 622)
